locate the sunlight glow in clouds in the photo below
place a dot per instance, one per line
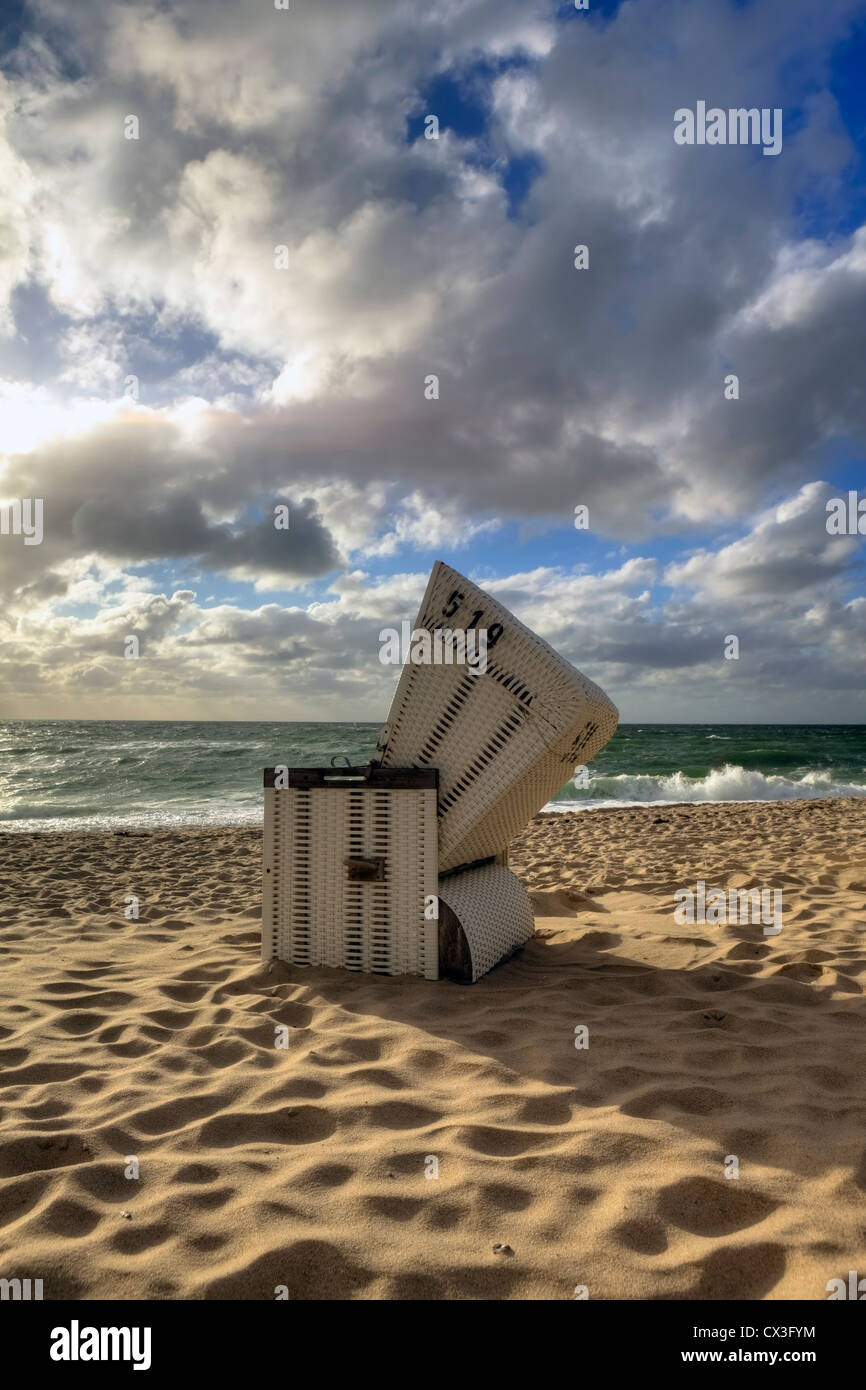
(32, 416)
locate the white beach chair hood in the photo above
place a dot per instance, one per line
(505, 741)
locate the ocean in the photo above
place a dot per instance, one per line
(100, 774)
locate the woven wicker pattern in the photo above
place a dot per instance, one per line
(504, 741)
(313, 913)
(494, 910)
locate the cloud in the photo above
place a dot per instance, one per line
(787, 553)
(156, 258)
(647, 636)
(557, 386)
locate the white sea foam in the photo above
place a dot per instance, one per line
(728, 783)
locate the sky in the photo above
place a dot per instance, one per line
(231, 261)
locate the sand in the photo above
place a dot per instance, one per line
(602, 1167)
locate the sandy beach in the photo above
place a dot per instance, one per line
(602, 1167)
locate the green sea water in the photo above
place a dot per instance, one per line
(91, 774)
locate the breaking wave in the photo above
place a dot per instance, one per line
(728, 783)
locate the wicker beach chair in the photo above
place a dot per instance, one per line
(485, 915)
(353, 856)
(504, 741)
(350, 871)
